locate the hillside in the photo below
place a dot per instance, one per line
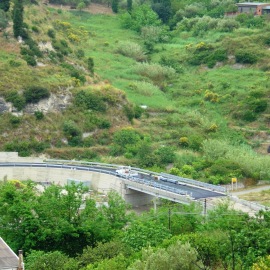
(192, 98)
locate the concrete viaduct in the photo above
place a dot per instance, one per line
(136, 191)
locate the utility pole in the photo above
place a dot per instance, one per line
(204, 208)
(169, 219)
(20, 266)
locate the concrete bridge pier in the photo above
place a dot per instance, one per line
(136, 198)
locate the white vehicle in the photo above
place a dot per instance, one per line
(126, 171)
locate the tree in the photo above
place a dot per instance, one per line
(90, 63)
(4, 5)
(72, 132)
(115, 212)
(50, 261)
(145, 233)
(18, 224)
(34, 94)
(177, 256)
(3, 20)
(115, 4)
(18, 18)
(262, 264)
(140, 16)
(129, 5)
(102, 251)
(163, 9)
(81, 6)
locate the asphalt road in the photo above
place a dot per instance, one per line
(167, 184)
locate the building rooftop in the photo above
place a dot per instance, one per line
(8, 259)
(254, 4)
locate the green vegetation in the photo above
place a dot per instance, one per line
(106, 237)
(190, 85)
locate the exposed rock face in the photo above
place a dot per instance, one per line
(45, 46)
(4, 106)
(55, 103)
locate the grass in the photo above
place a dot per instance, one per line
(178, 108)
(262, 197)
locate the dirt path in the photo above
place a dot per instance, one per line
(93, 8)
(251, 190)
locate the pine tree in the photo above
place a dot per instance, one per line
(4, 5)
(115, 5)
(18, 18)
(90, 63)
(129, 5)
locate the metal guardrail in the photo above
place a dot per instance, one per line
(158, 191)
(169, 176)
(159, 186)
(103, 168)
(195, 183)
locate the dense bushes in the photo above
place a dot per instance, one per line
(200, 26)
(16, 99)
(74, 72)
(25, 148)
(90, 101)
(132, 50)
(157, 73)
(72, 153)
(203, 53)
(246, 56)
(34, 94)
(141, 16)
(73, 133)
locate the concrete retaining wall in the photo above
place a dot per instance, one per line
(100, 182)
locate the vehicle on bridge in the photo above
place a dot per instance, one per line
(126, 172)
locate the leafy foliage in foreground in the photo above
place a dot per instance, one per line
(56, 232)
(190, 93)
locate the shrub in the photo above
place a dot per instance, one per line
(90, 64)
(258, 105)
(157, 73)
(154, 34)
(16, 99)
(183, 141)
(25, 148)
(34, 94)
(35, 29)
(14, 120)
(165, 155)
(175, 171)
(144, 88)
(14, 63)
(125, 137)
(90, 100)
(51, 33)
(246, 56)
(132, 50)
(61, 46)
(227, 25)
(39, 115)
(30, 60)
(73, 133)
(3, 20)
(204, 24)
(80, 53)
(211, 96)
(33, 47)
(140, 16)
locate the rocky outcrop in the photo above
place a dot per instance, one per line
(55, 103)
(52, 104)
(5, 106)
